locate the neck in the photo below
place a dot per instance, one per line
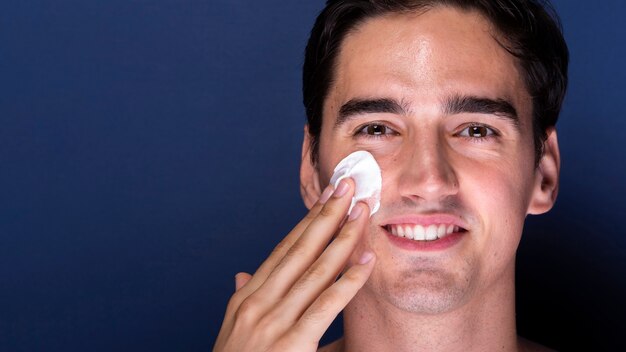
(486, 322)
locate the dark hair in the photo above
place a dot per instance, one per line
(531, 30)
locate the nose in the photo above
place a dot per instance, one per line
(427, 172)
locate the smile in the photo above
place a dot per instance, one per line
(422, 233)
(426, 232)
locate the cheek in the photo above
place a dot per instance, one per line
(387, 157)
(499, 199)
(498, 191)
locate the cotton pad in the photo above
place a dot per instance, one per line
(363, 169)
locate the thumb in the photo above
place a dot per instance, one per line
(241, 279)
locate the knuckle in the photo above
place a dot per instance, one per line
(326, 302)
(279, 266)
(312, 214)
(347, 234)
(297, 250)
(281, 247)
(248, 310)
(238, 297)
(313, 274)
(234, 302)
(352, 276)
(269, 327)
(265, 331)
(317, 272)
(327, 211)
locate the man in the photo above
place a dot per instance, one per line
(457, 101)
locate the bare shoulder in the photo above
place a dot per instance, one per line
(529, 346)
(336, 346)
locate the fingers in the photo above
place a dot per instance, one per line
(318, 317)
(326, 268)
(269, 267)
(281, 249)
(296, 280)
(307, 248)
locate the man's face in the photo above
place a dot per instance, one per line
(443, 109)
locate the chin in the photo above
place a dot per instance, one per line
(423, 290)
(426, 300)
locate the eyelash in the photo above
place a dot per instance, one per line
(492, 132)
(361, 131)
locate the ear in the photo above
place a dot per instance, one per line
(309, 175)
(546, 185)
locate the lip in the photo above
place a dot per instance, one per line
(426, 220)
(426, 246)
(440, 244)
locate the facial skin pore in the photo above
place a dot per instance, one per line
(445, 112)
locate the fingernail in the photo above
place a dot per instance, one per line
(366, 257)
(341, 189)
(356, 211)
(326, 195)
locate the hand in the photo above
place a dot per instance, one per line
(295, 295)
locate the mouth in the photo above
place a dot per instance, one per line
(428, 233)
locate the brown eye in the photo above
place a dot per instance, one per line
(477, 131)
(376, 130)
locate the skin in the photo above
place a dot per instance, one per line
(459, 298)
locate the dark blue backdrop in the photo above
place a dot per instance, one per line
(128, 132)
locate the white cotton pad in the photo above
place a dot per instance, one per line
(363, 169)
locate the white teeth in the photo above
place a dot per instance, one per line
(408, 232)
(431, 232)
(441, 231)
(421, 233)
(418, 233)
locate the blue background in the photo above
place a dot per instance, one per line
(128, 130)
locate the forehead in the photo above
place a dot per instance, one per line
(421, 58)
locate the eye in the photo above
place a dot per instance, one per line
(375, 130)
(477, 131)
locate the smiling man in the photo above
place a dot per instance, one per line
(457, 102)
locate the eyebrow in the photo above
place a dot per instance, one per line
(471, 104)
(360, 106)
(452, 105)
